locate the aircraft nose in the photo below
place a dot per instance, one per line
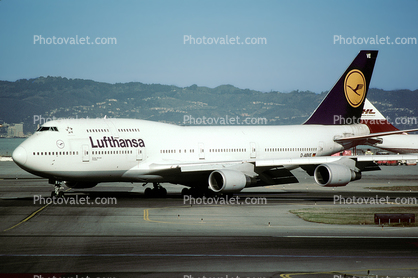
(19, 155)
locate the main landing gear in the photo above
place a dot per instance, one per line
(194, 192)
(198, 192)
(58, 191)
(157, 191)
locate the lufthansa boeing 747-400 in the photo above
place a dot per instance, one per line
(226, 159)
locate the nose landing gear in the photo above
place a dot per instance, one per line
(58, 190)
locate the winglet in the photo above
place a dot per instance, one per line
(344, 103)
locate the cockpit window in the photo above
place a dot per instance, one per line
(45, 128)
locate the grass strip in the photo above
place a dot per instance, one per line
(351, 216)
(395, 188)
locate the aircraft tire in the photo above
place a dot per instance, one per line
(162, 192)
(185, 191)
(148, 192)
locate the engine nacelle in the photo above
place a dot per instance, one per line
(228, 181)
(77, 184)
(333, 174)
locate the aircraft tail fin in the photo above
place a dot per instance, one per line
(374, 119)
(344, 103)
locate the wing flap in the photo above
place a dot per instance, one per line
(277, 175)
(271, 163)
(207, 166)
(296, 161)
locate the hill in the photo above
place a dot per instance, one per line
(31, 101)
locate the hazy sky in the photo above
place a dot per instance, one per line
(297, 49)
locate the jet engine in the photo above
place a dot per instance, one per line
(228, 181)
(77, 184)
(333, 174)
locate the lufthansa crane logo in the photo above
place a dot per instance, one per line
(355, 87)
(60, 144)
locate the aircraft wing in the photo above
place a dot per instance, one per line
(191, 167)
(329, 159)
(370, 138)
(252, 165)
(245, 165)
(316, 160)
(327, 170)
(242, 166)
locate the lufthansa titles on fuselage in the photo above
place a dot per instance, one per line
(110, 142)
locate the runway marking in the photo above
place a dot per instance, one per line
(146, 217)
(30, 216)
(355, 237)
(275, 225)
(213, 255)
(27, 218)
(362, 271)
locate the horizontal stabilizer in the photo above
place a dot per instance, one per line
(370, 138)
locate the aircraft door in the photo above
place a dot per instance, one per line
(85, 153)
(201, 151)
(253, 151)
(112, 128)
(140, 154)
(321, 147)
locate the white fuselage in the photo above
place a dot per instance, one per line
(402, 143)
(100, 150)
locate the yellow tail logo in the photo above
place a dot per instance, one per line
(355, 87)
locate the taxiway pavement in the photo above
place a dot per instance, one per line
(125, 234)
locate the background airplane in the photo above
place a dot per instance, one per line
(225, 159)
(399, 143)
